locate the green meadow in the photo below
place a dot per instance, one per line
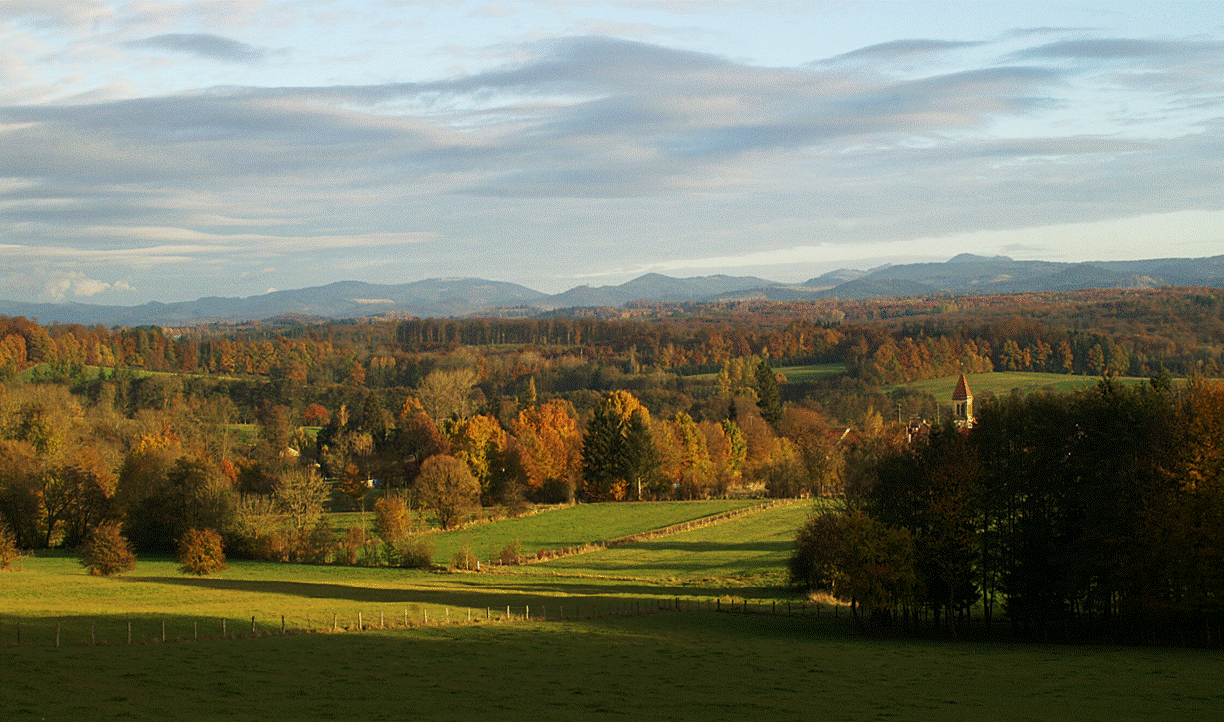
(1001, 383)
(600, 661)
(559, 527)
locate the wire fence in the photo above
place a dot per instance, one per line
(111, 631)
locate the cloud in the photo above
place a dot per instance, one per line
(1118, 49)
(56, 12)
(588, 149)
(209, 47)
(901, 49)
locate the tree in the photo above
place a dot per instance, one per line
(481, 442)
(392, 520)
(618, 454)
(548, 445)
(447, 393)
(107, 551)
(300, 493)
(770, 399)
(447, 488)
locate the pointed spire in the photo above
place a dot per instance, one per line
(962, 391)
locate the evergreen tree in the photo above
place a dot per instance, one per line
(769, 399)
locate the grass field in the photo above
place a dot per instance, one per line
(811, 372)
(568, 526)
(669, 665)
(1004, 382)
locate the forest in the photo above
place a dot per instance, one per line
(1035, 515)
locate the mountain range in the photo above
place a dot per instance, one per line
(454, 297)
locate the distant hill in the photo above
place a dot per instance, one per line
(455, 297)
(655, 287)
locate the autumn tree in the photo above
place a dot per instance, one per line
(482, 444)
(549, 448)
(446, 487)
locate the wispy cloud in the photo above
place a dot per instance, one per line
(203, 45)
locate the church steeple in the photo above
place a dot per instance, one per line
(962, 404)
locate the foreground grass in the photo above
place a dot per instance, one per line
(669, 666)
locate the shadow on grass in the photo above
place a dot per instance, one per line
(472, 590)
(698, 547)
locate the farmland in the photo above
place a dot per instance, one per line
(688, 664)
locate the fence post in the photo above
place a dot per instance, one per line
(18, 634)
(195, 629)
(381, 623)
(334, 615)
(282, 624)
(57, 634)
(223, 632)
(488, 614)
(360, 626)
(507, 611)
(405, 617)
(527, 613)
(164, 629)
(252, 625)
(424, 616)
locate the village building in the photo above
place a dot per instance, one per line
(962, 404)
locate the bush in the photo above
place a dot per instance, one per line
(8, 547)
(512, 554)
(107, 551)
(354, 540)
(201, 552)
(414, 553)
(465, 560)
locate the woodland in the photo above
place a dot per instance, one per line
(1076, 516)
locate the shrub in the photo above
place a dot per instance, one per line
(513, 553)
(354, 539)
(201, 552)
(465, 560)
(107, 551)
(414, 553)
(8, 547)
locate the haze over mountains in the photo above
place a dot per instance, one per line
(455, 297)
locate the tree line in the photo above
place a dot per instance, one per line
(1078, 516)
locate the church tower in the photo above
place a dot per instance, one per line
(962, 405)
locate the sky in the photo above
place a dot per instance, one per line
(167, 151)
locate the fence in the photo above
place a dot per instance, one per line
(82, 632)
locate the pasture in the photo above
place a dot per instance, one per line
(670, 665)
(555, 528)
(1002, 383)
